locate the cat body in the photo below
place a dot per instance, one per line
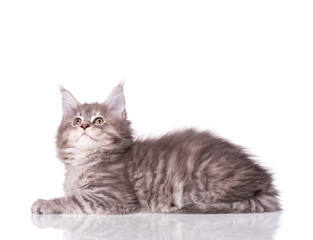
(187, 171)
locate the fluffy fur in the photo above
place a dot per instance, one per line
(109, 172)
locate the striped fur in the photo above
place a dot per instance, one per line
(108, 172)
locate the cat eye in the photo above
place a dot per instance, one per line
(77, 121)
(98, 121)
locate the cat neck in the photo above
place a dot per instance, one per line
(80, 165)
(74, 157)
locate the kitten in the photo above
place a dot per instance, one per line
(110, 172)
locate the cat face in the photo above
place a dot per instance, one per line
(94, 126)
(88, 127)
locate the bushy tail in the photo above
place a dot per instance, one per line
(262, 203)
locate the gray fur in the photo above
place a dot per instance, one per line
(109, 172)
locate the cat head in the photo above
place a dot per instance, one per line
(94, 126)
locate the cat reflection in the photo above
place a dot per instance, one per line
(162, 226)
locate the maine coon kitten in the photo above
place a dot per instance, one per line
(110, 172)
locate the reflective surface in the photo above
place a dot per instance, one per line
(163, 226)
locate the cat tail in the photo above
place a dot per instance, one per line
(263, 203)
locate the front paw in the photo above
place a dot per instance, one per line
(44, 207)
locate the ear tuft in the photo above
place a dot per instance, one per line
(69, 103)
(116, 102)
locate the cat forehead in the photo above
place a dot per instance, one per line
(91, 110)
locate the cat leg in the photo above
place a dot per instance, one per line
(64, 205)
(212, 208)
(82, 204)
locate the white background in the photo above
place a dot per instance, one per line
(240, 68)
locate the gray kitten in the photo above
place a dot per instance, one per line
(110, 172)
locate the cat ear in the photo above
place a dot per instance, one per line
(69, 103)
(116, 102)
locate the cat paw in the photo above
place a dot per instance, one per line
(44, 207)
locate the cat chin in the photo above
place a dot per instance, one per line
(85, 143)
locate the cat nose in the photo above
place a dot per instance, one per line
(84, 126)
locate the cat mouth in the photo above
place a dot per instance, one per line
(85, 134)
